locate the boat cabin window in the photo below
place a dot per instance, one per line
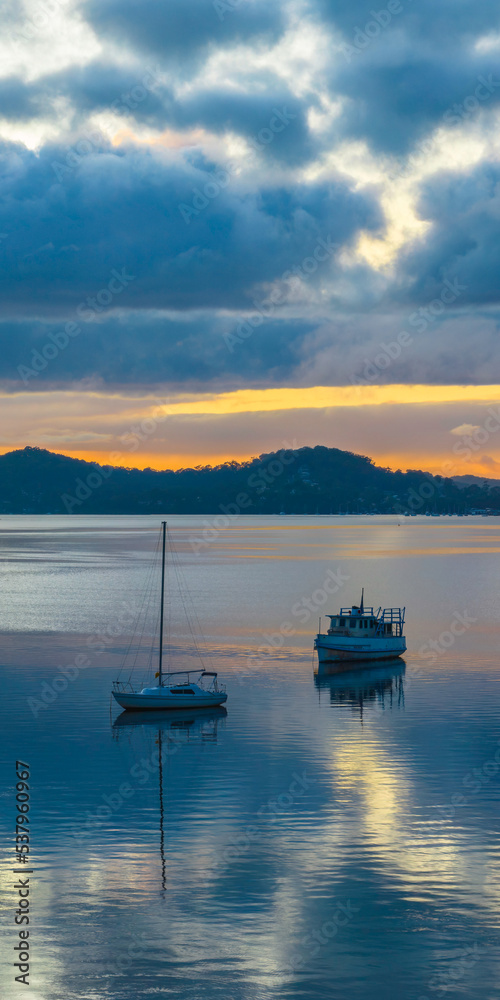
(352, 623)
(178, 690)
(342, 622)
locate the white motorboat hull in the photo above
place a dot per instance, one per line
(136, 701)
(333, 649)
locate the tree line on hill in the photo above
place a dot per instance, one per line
(317, 480)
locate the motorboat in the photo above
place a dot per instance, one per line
(361, 633)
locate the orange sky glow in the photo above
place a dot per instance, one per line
(399, 426)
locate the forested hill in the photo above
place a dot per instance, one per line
(304, 481)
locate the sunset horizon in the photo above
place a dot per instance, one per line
(447, 430)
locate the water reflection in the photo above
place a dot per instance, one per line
(358, 688)
(239, 838)
(201, 721)
(167, 731)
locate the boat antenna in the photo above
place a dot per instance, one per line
(162, 600)
(361, 607)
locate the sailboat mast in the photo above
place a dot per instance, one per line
(162, 599)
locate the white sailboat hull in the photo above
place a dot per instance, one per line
(137, 701)
(334, 649)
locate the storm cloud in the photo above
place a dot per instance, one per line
(205, 150)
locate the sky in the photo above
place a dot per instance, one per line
(232, 226)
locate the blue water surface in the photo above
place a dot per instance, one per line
(325, 837)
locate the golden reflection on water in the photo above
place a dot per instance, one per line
(350, 552)
(352, 539)
(370, 826)
(426, 856)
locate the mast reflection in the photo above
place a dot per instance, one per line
(173, 728)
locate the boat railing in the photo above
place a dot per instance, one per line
(353, 611)
(181, 673)
(214, 685)
(395, 617)
(123, 686)
(198, 674)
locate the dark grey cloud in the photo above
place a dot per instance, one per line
(408, 68)
(97, 86)
(19, 102)
(129, 89)
(191, 237)
(442, 25)
(249, 113)
(462, 242)
(204, 244)
(395, 98)
(181, 30)
(141, 95)
(397, 85)
(137, 350)
(459, 346)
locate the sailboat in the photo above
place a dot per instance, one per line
(171, 693)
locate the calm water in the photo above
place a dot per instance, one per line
(324, 838)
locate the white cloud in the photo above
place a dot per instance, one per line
(465, 429)
(49, 37)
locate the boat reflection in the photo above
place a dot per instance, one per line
(357, 688)
(199, 721)
(172, 728)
